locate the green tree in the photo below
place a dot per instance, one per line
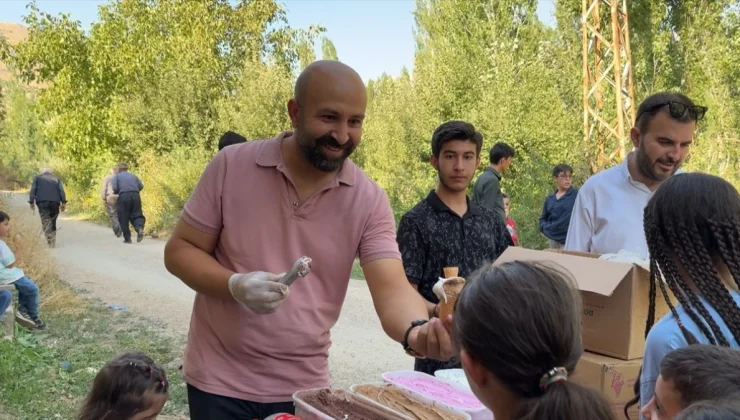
(328, 51)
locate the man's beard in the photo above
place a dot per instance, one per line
(647, 167)
(317, 158)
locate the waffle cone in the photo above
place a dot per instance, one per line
(450, 272)
(452, 289)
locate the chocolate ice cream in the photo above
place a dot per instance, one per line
(336, 405)
(392, 397)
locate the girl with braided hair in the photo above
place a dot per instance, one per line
(130, 387)
(692, 227)
(518, 327)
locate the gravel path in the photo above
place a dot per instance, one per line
(93, 260)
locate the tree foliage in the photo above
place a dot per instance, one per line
(155, 82)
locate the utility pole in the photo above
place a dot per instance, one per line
(608, 92)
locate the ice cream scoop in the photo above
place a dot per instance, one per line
(301, 268)
(447, 290)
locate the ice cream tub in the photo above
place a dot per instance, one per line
(283, 416)
(455, 377)
(408, 405)
(431, 387)
(336, 404)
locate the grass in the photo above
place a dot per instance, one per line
(36, 384)
(357, 273)
(46, 375)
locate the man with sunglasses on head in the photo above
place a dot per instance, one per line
(608, 213)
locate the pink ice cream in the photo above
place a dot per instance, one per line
(438, 390)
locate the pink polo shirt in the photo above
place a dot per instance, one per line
(246, 196)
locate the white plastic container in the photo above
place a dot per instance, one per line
(308, 412)
(476, 410)
(418, 397)
(455, 377)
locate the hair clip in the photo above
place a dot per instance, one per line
(553, 375)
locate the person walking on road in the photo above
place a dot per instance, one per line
(127, 186)
(109, 201)
(47, 193)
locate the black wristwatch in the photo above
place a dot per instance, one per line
(411, 352)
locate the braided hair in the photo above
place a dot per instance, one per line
(123, 387)
(694, 219)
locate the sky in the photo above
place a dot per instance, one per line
(371, 36)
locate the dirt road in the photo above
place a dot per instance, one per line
(93, 260)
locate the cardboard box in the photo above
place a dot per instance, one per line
(613, 378)
(615, 299)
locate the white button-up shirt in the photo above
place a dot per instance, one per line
(608, 214)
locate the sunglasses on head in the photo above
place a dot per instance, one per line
(679, 109)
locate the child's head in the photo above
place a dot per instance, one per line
(562, 175)
(519, 331)
(692, 227)
(713, 410)
(130, 387)
(4, 224)
(690, 374)
(507, 204)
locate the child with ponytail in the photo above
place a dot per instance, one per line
(130, 387)
(518, 327)
(692, 227)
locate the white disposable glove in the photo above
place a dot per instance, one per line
(259, 291)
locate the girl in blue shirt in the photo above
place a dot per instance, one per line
(692, 227)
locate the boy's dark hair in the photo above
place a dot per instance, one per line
(562, 168)
(645, 116)
(119, 389)
(694, 218)
(520, 320)
(712, 410)
(500, 151)
(4, 216)
(504, 195)
(229, 138)
(702, 372)
(455, 130)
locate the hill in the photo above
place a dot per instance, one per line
(14, 33)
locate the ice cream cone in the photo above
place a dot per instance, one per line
(447, 290)
(450, 272)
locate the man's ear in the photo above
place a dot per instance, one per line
(635, 136)
(476, 372)
(434, 161)
(293, 110)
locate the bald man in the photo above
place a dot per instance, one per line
(256, 209)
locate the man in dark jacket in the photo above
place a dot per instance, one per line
(558, 207)
(128, 186)
(47, 193)
(487, 189)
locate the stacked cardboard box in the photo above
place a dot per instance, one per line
(615, 306)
